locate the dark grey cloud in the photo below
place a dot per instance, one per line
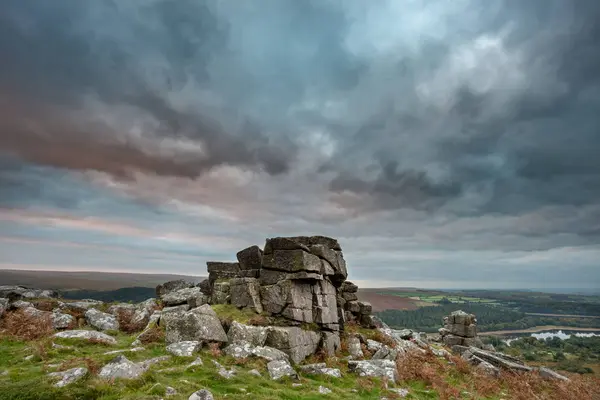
(467, 125)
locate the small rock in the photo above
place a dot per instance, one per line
(324, 390)
(296, 384)
(201, 395)
(280, 368)
(29, 357)
(169, 391)
(197, 361)
(548, 373)
(223, 371)
(121, 367)
(150, 362)
(185, 348)
(133, 350)
(320, 369)
(400, 392)
(354, 348)
(69, 376)
(254, 372)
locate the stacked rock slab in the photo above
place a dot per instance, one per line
(301, 279)
(460, 328)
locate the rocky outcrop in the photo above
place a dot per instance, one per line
(21, 292)
(460, 328)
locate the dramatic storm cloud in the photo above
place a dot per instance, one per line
(445, 143)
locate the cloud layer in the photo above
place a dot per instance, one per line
(434, 139)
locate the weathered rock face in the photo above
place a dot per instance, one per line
(295, 342)
(245, 292)
(171, 286)
(101, 320)
(67, 377)
(121, 368)
(199, 324)
(460, 328)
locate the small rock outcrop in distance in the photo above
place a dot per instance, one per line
(460, 328)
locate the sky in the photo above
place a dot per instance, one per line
(444, 143)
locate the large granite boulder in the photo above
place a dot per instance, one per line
(250, 258)
(222, 270)
(292, 261)
(121, 368)
(199, 324)
(295, 342)
(181, 296)
(376, 368)
(185, 348)
(245, 292)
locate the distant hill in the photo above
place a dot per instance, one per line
(128, 294)
(87, 280)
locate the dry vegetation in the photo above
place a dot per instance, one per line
(24, 326)
(126, 323)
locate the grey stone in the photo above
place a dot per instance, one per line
(69, 376)
(121, 368)
(199, 324)
(146, 364)
(101, 320)
(250, 273)
(271, 277)
(185, 348)
(205, 286)
(245, 292)
(550, 374)
(181, 296)
(198, 361)
(20, 304)
(320, 369)
(326, 254)
(181, 308)
(348, 296)
(373, 345)
(280, 368)
(328, 242)
(282, 243)
(330, 342)
(500, 360)
(240, 350)
(354, 348)
(255, 372)
(453, 340)
(132, 350)
(461, 318)
(152, 322)
(292, 261)
(250, 258)
(221, 293)
(353, 307)
(365, 307)
(21, 292)
(115, 309)
(169, 391)
(349, 287)
(222, 270)
(269, 353)
(385, 353)
(255, 335)
(325, 303)
(86, 335)
(79, 306)
(401, 392)
(376, 368)
(222, 371)
(405, 334)
(488, 369)
(198, 299)
(201, 395)
(171, 286)
(324, 390)
(295, 342)
(468, 331)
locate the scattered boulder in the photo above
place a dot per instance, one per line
(385, 353)
(196, 362)
(185, 348)
(79, 306)
(280, 368)
(121, 368)
(320, 369)
(460, 328)
(222, 371)
(376, 368)
(199, 324)
(500, 360)
(201, 395)
(69, 376)
(81, 334)
(550, 374)
(330, 342)
(240, 350)
(101, 320)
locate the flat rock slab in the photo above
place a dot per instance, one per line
(240, 333)
(244, 350)
(69, 376)
(199, 324)
(86, 335)
(185, 348)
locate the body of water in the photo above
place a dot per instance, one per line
(561, 334)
